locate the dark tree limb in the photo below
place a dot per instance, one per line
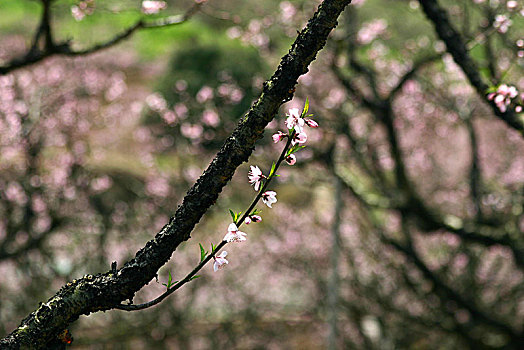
(105, 291)
(50, 48)
(417, 65)
(448, 293)
(409, 203)
(456, 46)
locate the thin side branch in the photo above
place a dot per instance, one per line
(108, 290)
(456, 46)
(189, 276)
(36, 54)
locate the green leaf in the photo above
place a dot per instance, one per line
(294, 149)
(213, 248)
(255, 212)
(203, 253)
(306, 108)
(272, 169)
(233, 216)
(194, 277)
(170, 282)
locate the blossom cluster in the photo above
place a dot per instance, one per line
(503, 97)
(296, 135)
(152, 7)
(82, 9)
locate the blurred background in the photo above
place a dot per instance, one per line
(400, 227)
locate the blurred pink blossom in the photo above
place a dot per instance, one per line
(158, 186)
(502, 23)
(152, 7)
(83, 8)
(191, 131)
(210, 117)
(371, 30)
(15, 193)
(169, 117)
(205, 94)
(101, 184)
(156, 102)
(287, 10)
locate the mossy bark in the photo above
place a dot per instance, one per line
(89, 294)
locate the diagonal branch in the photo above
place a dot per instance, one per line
(447, 292)
(35, 54)
(105, 291)
(421, 63)
(456, 46)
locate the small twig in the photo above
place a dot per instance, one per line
(190, 275)
(457, 47)
(408, 75)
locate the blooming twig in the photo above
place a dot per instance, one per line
(250, 215)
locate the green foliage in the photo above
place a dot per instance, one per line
(203, 253)
(235, 216)
(170, 283)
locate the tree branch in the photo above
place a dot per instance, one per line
(105, 291)
(448, 293)
(35, 54)
(457, 48)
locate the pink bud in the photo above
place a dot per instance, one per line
(311, 123)
(278, 136)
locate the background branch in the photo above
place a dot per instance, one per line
(36, 54)
(105, 291)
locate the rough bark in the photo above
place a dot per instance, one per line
(103, 291)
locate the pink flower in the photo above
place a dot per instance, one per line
(278, 136)
(234, 235)
(503, 96)
(82, 8)
(269, 197)
(502, 23)
(77, 13)
(300, 137)
(294, 121)
(255, 176)
(291, 159)
(220, 261)
(252, 218)
(152, 7)
(311, 123)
